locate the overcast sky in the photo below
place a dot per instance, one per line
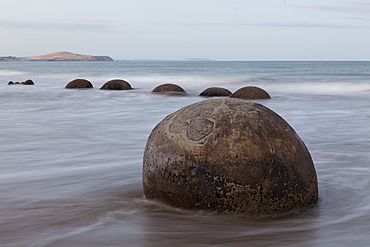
(176, 29)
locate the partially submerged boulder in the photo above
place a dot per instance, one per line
(251, 92)
(215, 91)
(28, 82)
(169, 89)
(79, 83)
(229, 155)
(116, 84)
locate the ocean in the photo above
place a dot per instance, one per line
(71, 160)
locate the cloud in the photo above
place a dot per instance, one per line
(358, 8)
(307, 25)
(283, 25)
(79, 26)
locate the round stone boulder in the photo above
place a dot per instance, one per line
(10, 83)
(251, 92)
(229, 155)
(215, 92)
(116, 84)
(170, 89)
(28, 82)
(79, 83)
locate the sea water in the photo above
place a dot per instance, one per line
(71, 160)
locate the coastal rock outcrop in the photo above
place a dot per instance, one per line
(251, 92)
(27, 82)
(229, 155)
(170, 89)
(215, 91)
(116, 84)
(79, 83)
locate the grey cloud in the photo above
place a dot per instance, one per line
(283, 25)
(308, 25)
(346, 7)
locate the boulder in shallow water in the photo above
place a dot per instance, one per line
(28, 82)
(116, 84)
(215, 91)
(10, 83)
(170, 89)
(79, 83)
(229, 155)
(251, 92)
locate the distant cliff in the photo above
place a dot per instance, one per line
(59, 56)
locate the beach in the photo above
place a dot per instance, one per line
(71, 160)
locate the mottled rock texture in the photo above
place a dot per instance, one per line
(229, 155)
(251, 92)
(79, 83)
(215, 91)
(116, 84)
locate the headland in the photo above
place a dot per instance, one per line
(59, 56)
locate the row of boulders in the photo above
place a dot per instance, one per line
(116, 84)
(27, 82)
(249, 92)
(225, 155)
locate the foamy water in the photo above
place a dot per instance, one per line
(70, 167)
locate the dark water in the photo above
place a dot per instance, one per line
(70, 160)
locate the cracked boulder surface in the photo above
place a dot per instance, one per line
(229, 155)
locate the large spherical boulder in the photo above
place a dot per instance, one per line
(79, 83)
(28, 82)
(169, 89)
(251, 92)
(229, 155)
(116, 84)
(215, 91)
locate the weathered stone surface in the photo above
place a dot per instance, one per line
(215, 91)
(251, 92)
(229, 155)
(116, 84)
(79, 83)
(170, 89)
